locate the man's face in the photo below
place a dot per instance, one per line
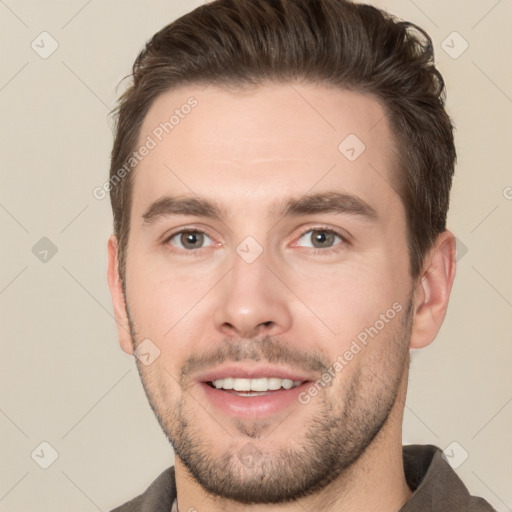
(263, 245)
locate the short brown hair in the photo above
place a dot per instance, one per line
(236, 43)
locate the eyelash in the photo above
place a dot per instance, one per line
(329, 250)
(197, 252)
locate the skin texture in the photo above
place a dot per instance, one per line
(296, 305)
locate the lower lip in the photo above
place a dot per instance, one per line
(253, 407)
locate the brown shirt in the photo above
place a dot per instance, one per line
(435, 485)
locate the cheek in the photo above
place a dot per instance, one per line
(350, 297)
(159, 294)
(153, 307)
(171, 307)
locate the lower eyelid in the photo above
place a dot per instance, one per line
(341, 236)
(343, 240)
(212, 241)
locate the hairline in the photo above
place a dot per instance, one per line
(398, 174)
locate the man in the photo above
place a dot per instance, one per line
(280, 182)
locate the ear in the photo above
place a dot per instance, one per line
(118, 301)
(432, 292)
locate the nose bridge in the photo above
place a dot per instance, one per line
(252, 301)
(249, 278)
(251, 258)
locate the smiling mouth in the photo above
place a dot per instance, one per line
(253, 387)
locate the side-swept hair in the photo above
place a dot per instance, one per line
(237, 43)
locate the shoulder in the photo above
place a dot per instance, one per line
(435, 485)
(158, 497)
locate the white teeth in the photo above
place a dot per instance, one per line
(242, 384)
(228, 383)
(258, 384)
(287, 384)
(274, 383)
(261, 384)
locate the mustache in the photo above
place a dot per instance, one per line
(265, 348)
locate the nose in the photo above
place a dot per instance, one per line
(252, 301)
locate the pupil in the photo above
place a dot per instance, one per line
(321, 238)
(191, 240)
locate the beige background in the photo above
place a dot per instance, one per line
(64, 379)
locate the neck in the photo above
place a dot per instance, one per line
(375, 482)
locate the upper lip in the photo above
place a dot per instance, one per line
(238, 371)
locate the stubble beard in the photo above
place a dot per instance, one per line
(332, 441)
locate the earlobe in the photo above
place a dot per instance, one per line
(118, 299)
(433, 290)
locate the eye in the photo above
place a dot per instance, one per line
(189, 240)
(320, 239)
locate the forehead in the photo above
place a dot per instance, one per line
(270, 141)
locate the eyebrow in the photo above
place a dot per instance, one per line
(327, 202)
(330, 202)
